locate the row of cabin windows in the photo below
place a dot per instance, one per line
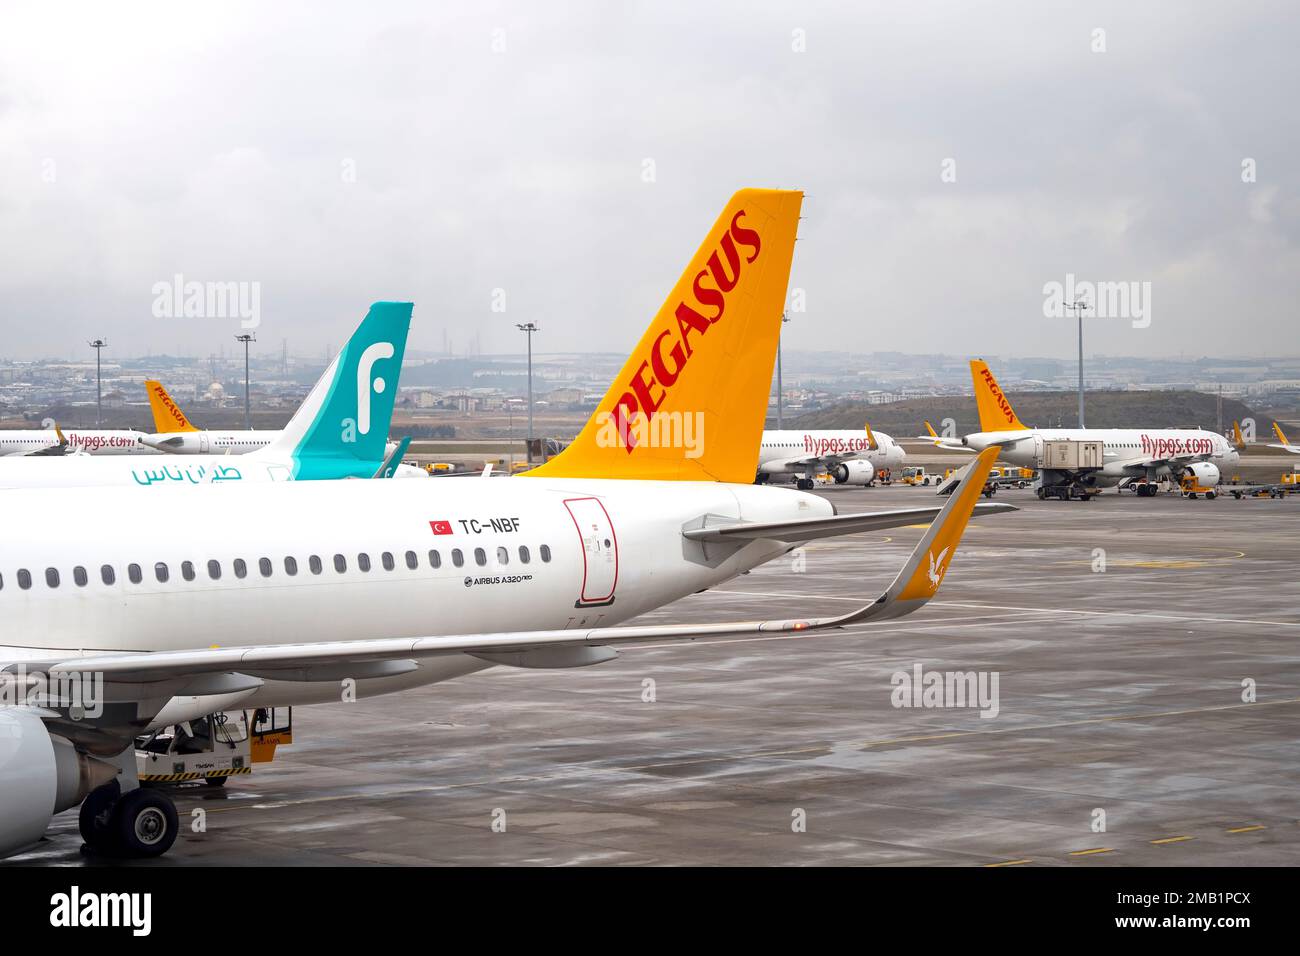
(266, 567)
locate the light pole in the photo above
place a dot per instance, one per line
(1078, 306)
(530, 328)
(510, 413)
(98, 344)
(246, 338)
(784, 319)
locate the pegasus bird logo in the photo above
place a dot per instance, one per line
(936, 568)
(372, 354)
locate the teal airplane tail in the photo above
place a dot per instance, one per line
(341, 429)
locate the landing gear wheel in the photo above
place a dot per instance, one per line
(1211, 495)
(95, 820)
(146, 823)
(215, 781)
(1042, 494)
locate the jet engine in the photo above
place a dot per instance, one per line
(41, 774)
(1205, 472)
(855, 472)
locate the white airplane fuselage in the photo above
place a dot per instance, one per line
(1126, 449)
(117, 441)
(611, 556)
(214, 442)
(782, 451)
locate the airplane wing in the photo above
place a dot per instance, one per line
(914, 586)
(812, 461)
(389, 465)
(938, 441)
(171, 445)
(1285, 445)
(55, 449)
(810, 529)
(1169, 461)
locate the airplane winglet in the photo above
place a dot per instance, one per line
(930, 428)
(1237, 440)
(63, 442)
(920, 578)
(872, 444)
(389, 467)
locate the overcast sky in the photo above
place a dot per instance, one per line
(341, 153)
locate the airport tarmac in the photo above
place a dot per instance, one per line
(1120, 691)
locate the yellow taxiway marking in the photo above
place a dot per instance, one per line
(1250, 829)
(1177, 839)
(1008, 863)
(1099, 849)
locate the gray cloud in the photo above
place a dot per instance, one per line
(214, 143)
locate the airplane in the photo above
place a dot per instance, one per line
(175, 434)
(278, 594)
(1281, 437)
(1130, 454)
(851, 457)
(54, 442)
(340, 431)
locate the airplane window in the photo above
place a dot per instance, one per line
(435, 559)
(503, 555)
(52, 577)
(107, 574)
(214, 570)
(291, 566)
(160, 572)
(314, 563)
(187, 570)
(457, 558)
(340, 563)
(412, 560)
(241, 568)
(363, 561)
(523, 554)
(264, 565)
(387, 558)
(2, 582)
(480, 557)
(134, 573)
(80, 576)
(24, 578)
(545, 551)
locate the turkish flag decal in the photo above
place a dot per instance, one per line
(440, 527)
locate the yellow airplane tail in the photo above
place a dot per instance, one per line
(1281, 436)
(167, 415)
(1237, 440)
(690, 403)
(996, 413)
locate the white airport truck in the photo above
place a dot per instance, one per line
(212, 748)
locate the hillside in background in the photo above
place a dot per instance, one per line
(1040, 409)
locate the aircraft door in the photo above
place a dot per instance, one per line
(599, 551)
